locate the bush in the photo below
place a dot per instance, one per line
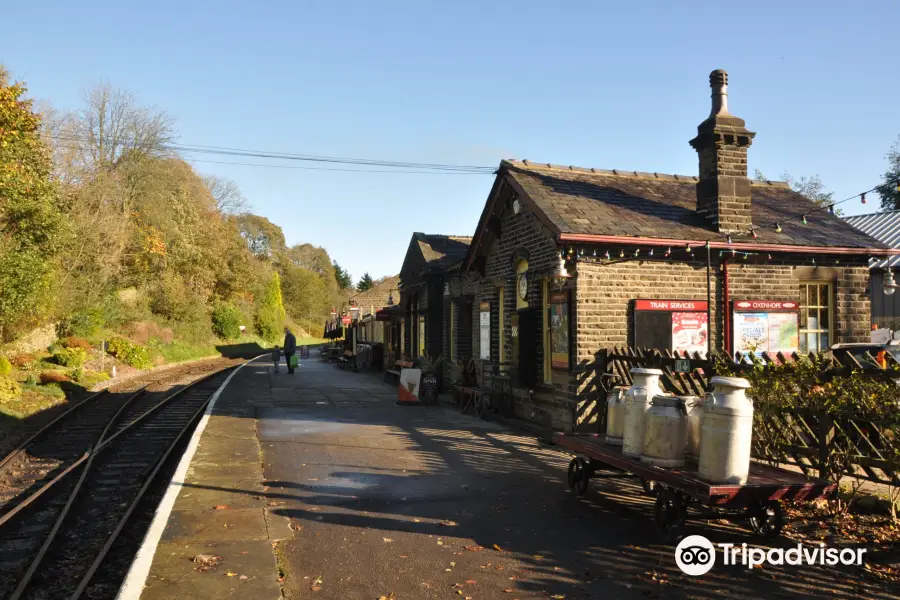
(9, 390)
(85, 323)
(89, 378)
(53, 377)
(131, 354)
(5, 366)
(270, 314)
(226, 321)
(73, 341)
(70, 357)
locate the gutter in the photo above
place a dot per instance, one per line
(586, 238)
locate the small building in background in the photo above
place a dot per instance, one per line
(884, 227)
(369, 327)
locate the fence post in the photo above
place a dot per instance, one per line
(824, 442)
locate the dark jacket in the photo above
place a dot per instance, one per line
(290, 344)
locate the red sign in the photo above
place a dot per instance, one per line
(671, 305)
(764, 305)
(345, 319)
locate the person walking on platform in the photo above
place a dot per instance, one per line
(290, 347)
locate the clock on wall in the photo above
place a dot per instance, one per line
(523, 286)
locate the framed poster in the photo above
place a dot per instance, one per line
(766, 326)
(484, 323)
(559, 330)
(679, 325)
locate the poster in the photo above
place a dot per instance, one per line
(690, 331)
(559, 331)
(751, 332)
(485, 331)
(784, 334)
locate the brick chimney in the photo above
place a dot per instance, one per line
(723, 192)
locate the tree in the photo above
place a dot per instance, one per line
(890, 189)
(32, 226)
(342, 277)
(811, 187)
(264, 238)
(228, 197)
(365, 283)
(270, 312)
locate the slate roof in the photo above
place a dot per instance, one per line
(652, 205)
(883, 226)
(442, 251)
(377, 295)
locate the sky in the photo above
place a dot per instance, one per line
(595, 84)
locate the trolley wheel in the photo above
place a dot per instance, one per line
(649, 487)
(767, 519)
(579, 477)
(671, 514)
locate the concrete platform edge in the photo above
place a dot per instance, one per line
(133, 586)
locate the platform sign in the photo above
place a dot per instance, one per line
(345, 320)
(304, 351)
(485, 330)
(682, 366)
(678, 325)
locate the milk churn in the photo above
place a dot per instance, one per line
(665, 432)
(726, 432)
(615, 415)
(637, 401)
(694, 406)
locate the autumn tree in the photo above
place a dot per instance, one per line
(811, 187)
(228, 196)
(344, 281)
(263, 237)
(890, 189)
(32, 227)
(270, 312)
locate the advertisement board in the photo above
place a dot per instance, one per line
(766, 326)
(681, 325)
(690, 331)
(559, 330)
(485, 331)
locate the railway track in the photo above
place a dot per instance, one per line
(82, 486)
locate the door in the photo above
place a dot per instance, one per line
(528, 332)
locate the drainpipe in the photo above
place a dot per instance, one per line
(726, 320)
(708, 303)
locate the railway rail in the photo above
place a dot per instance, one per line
(76, 492)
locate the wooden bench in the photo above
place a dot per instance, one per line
(398, 366)
(347, 360)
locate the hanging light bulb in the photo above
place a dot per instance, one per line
(571, 251)
(720, 254)
(607, 255)
(805, 221)
(595, 253)
(621, 254)
(753, 233)
(688, 248)
(733, 251)
(651, 251)
(889, 285)
(770, 257)
(668, 252)
(637, 251)
(728, 240)
(862, 198)
(581, 252)
(777, 228)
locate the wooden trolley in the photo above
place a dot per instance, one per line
(758, 500)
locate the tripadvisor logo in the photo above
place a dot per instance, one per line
(696, 555)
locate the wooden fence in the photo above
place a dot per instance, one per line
(819, 442)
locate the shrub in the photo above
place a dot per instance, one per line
(89, 378)
(53, 377)
(73, 341)
(270, 314)
(70, 357)
(23, 360)
(5, 366)
(9, 390)
(86, 322)
(131, 354)
(226, 321)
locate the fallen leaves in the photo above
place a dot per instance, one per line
(388, 597)
(498, 548)
(205, 562)
(221, 507)
(317, 584)
(387, 540)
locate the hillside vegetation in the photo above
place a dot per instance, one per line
(106, 233)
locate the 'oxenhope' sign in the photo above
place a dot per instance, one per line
(671, 305)
(764, 305)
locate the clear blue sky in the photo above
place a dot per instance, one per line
(611, 85)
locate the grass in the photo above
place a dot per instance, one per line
(34, 399)
(178, 351)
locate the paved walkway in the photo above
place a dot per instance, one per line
(320, 486)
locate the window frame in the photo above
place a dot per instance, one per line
(802, 330)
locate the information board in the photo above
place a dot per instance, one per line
(681, 325)
(559, 330)
(690, 331)
(766, 326)
(485, 330)
(304, 351)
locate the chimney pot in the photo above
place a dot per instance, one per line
(718, 81)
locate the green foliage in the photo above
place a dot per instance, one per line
(132, 354)
(32, 227)
(270, 312)
(5, 366)
(365, 283)
(344, 281)
(226, 321)
(70, 357)
(890, 189)
(9, 390)
(179, 351)
(88, 378)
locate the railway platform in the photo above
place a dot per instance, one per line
(319, 485)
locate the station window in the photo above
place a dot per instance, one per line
(815, 316)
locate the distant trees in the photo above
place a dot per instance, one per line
(890, 189)
(365, 283)
(344, 281)
(228, 196)
(270, 314)
(811, 187)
